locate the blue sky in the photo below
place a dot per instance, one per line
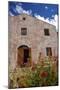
(46, 12)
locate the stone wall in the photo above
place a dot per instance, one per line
(35, 38)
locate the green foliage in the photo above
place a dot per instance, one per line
(34, 76)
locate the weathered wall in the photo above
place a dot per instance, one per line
(35, 38)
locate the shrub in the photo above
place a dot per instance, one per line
(37, 75)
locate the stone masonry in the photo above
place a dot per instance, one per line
(35, 38)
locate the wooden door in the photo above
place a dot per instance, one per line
(26, 55)
(20, 56)
(30, 57)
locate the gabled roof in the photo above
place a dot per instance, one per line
(23, 14)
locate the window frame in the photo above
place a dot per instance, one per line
(48, 51)
(46, 32)
(23, 31)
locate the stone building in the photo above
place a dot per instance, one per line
(28, 38)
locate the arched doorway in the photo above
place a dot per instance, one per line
(24, 56)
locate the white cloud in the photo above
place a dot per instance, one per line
(29, 12)
(46, 7)
(19, 9)
(10, 13)
(55, 21)
(51, 21)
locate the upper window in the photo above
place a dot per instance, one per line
(49, 51)
(46, 31)
(23, 31)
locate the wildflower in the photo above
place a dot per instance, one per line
(44, 74)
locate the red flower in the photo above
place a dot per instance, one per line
(44, 74)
